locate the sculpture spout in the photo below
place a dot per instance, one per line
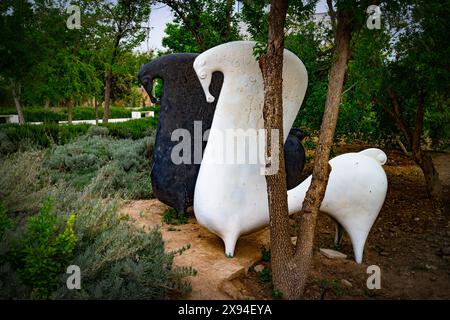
(204, 75)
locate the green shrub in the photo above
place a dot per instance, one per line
(265, 275)
(132, 129)
(5, 220)
(265, 254)
(43, 253)
(78, 113)
(23, 182)
(97, 131)
(119, 261)
(14, 137)
(108, 166)
(171, 217)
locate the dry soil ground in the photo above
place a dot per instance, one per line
(409, 242)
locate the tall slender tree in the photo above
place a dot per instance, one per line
(121, 28)
(271, 64)
(291, 265)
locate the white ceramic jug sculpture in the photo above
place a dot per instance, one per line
(230, 199)
(354, 196)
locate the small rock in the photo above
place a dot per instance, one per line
(259, 268)
(294, 240)
(346, 283)
(430, 267)
(416, 219)
(332, 254)
(384, 253)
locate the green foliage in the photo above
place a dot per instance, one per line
(132, 129)
(119, 261)
(43, 252)
(106, 165)
(334, 285)
(200, 25)
(171, 217)
(277, 295)
(265, 254)
(78, 113)
(23, 182)
(265, 275)
(5, 220)
(15, 137)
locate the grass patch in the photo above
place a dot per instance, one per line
(171, 217)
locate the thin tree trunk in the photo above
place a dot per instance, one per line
(413, 138)
(96, 111)
(402, 146)
(47, 103)
(69, 110)
(16, 92)
(432, 181)
(314, 196)
(271, 64)
(423, 160)
(108, 82)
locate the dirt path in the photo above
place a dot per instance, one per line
(206, 255)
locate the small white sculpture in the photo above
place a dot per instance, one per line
(354, 196)
(230, 199)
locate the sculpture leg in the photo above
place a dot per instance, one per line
(339, 234)
(358, 238)
(230, 243)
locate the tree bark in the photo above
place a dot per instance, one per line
(69, 110)
(96, 110)
(271, 65)
(413, 137)
(307, 218)
(290, 266)
(108, 78)
(423, 160)
(108, 82)
(16, 92)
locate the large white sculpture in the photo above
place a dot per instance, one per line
(230, 199)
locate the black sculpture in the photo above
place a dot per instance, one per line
(183, 102)
(294, 158)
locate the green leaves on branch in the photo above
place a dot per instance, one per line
(43, 252)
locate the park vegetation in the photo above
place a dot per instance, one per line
(61, 185)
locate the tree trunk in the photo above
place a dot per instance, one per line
(413, 138)
(96, 111)
(108, 82)
(69, 110)
(314, 196)
(423, 160)
(16, 92)
(47, 103)
(271, 64)
(432, 181)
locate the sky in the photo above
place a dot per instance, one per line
(161, 15)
